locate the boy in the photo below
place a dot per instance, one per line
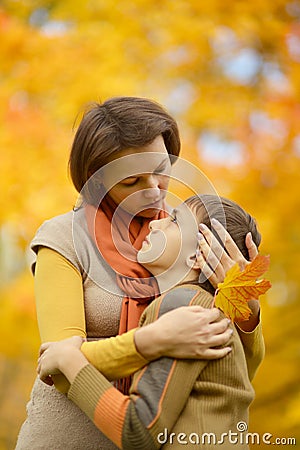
(173, 402)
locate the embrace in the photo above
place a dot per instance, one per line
(125, 284)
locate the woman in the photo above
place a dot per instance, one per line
(211, 398)
(82, 285)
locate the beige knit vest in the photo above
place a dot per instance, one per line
(54, 422)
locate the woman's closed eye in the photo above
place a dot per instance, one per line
(130, 181)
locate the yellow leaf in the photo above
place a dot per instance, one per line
(241, 286)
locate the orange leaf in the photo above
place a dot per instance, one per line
(241, 286)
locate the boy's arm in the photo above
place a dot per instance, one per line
(60, 313)
(134, 421)
(252, 339)
(254, 348)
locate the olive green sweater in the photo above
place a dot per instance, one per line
(175, 403)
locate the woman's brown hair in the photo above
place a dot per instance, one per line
(117, 124)
(232, 216)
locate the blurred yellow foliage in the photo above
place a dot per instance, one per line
(229, 72)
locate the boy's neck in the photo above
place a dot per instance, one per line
(164, 284)
(191, 277)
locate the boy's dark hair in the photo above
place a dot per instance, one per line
(232, 216)
(117, 124)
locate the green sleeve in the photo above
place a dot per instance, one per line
(133, 421)
(254, 348)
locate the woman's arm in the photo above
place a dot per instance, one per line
(59, 297)
(59, 301)
(133, 421)
(60, 312)
(188, 332)
(115, 357)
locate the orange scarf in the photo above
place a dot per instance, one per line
(118, 237)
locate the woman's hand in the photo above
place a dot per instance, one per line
(185, 332)
(213, 260)
(61, 357)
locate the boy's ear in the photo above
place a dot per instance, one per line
(192, 262)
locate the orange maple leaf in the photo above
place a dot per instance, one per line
(240, 286)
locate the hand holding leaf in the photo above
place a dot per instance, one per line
(241, 286)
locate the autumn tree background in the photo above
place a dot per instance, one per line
(229, 72)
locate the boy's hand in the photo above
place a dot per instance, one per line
(54, 357)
